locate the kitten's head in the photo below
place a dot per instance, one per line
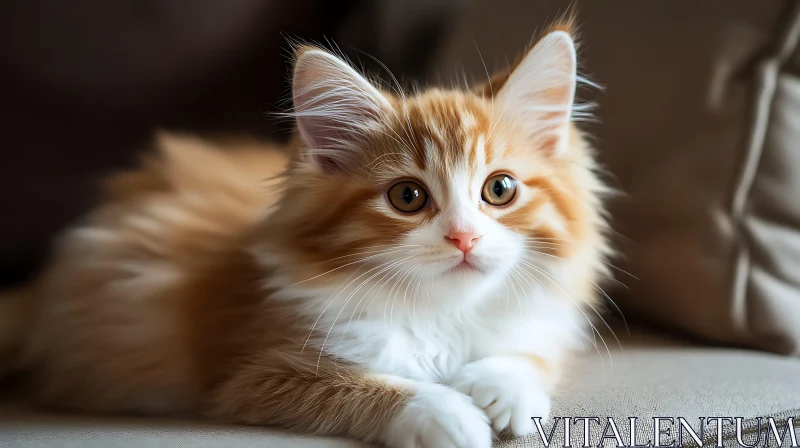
(450, 190)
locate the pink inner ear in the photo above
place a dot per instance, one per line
(549, 143)
(540, 91)
(335, 108)
(326, 164)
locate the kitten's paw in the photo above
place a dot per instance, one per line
(508, 389)
(439, 417)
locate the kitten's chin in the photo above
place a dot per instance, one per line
(459, 284)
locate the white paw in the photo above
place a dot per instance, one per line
(508, 389)
(438, 417)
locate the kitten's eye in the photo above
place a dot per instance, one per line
(499, 189)
(408, 196)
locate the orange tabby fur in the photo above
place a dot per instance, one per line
(161, 300)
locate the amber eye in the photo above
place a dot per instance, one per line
(499, 189)
(408, 196)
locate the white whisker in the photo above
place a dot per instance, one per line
(387, 268)
(568, 296)
(348, 264)
(347, 300)
(330, 301)
(397, 292)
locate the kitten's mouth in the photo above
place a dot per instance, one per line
(465, 267)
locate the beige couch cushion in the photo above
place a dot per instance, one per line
(649, 376)
(699, 127)
(20, 429)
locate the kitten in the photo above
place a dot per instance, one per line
(418, 277)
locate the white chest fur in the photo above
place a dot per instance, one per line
(388, 332)
(435, 347)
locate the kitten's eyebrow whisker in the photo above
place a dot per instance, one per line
(397, 139)
(374, 165)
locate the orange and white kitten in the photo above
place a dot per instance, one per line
(418, 278)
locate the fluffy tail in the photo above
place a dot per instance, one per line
(14, 316)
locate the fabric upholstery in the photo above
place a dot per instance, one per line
(697, 127)
(23, 430)
(648, 375)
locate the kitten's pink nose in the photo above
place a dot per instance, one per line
(462, 240)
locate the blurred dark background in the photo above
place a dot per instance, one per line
(84, 83)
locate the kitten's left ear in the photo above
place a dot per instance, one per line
(539, 92)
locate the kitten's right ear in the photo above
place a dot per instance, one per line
(334, 107)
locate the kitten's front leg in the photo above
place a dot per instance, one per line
(511, 389)
(398, 412)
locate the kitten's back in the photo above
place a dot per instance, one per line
(105, 330)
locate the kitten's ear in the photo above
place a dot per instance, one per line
(539, 92)
(334, 107)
